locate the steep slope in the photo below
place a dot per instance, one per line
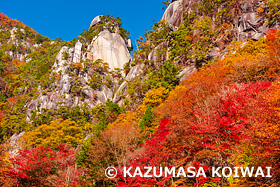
(25, 61)
(232, 20)
(194, 33)
(20, 61)
(88, 73)
(250, 20)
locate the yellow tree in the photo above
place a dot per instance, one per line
(58, 131)
(5, 180)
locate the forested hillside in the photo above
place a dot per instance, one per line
(202, 90)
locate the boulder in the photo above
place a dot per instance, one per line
(111, 48)
(129, 43)
(174, 13)
(187, 72)
(134, 71)
(95, 21)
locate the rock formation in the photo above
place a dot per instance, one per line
(60, 93)
(111, 48)
(77, 52)
(95, 21)
(72, 87)
(247, 25)
(134, 71)
(174, 14)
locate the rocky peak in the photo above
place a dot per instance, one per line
(78, 78)
(96, 20)
(106, 40)
(111, 48)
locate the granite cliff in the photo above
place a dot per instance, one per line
(75, 70)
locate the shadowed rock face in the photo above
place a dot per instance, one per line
(251, 26)
(111, 48)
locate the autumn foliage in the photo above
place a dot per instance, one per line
(226, 114)
(43, 166)
(6, 21)
(152, 154)
(220, 119)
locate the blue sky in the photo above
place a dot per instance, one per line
(67, 19)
